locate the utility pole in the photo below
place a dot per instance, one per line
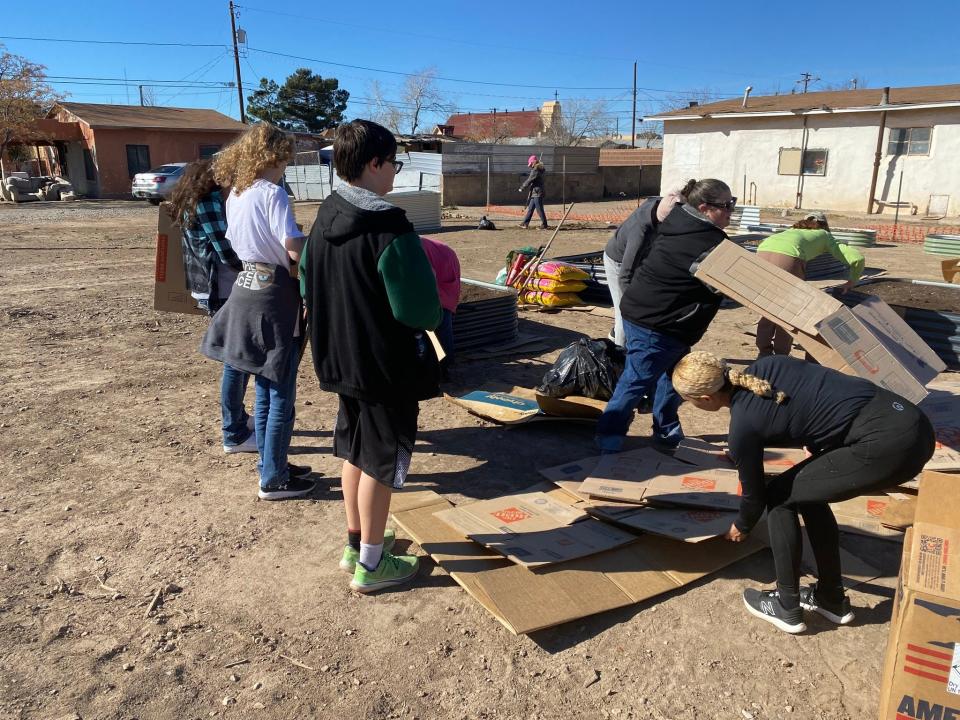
(806, 78)
(236, 61)
(854, 82)
(633, 131)
(141, 95)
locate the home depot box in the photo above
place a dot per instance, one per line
(864, 515)
(533, 529)
(870, 340)
(921, 673)
(170, 293)
(942, 406)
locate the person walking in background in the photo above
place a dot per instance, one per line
(370, 295)
(863, 440)
(666, 310)
(211, 268)
(259, 330)
(446, 269)
(791, 250)
(627, 248)
(534, 187)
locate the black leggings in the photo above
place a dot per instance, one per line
(888, 443)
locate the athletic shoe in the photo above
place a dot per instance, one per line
(839, 613)
(293, 488)
(765, 604)
(247, 446)
(298, 472)
(392, 570)
(348, 563)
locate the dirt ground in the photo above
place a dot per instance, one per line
(115, 485)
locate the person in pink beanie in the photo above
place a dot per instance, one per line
(534, 187)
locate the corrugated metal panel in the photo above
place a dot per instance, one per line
(632, 157)
(422, 208)
(428, 163)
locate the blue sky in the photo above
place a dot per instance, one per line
(516, 54)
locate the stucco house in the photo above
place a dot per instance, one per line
(100, 147)
(842, 150)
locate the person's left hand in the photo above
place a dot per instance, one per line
(734, 534)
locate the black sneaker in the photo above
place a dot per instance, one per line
(294, 488)
(765, 604)
(836, 612)
(298, 472)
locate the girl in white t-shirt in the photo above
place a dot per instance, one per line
(258, 330)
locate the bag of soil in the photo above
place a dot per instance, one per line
(589, 368)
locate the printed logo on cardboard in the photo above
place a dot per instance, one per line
(911, 708)
(696, 483)
(703, 516)
(511, 515)
(876, 507)
(927, 661)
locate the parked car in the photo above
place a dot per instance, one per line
(157, 184)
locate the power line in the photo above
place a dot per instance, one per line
(113, 42)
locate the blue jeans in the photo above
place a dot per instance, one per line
(233, 386)
(650, 359)
(273, 418)
(536, 202)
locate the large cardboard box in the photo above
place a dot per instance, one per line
(871, 340)
(533, 529)
(524, 600)
(170, 293)
(921, 673)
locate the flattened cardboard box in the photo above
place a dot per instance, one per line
(714, 457)
(525, 601)
(871, 340)
(520, 405)
(170, 293)
(864, 516)
(691, 525)
(921, 672)
(646, 475)
(533, 529)
(942, 406)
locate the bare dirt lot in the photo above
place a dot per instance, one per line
(115, 485)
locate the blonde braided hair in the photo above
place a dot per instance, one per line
(701, 373)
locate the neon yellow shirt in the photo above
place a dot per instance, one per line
(808, 244)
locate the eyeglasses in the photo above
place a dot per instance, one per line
(728, 205)
(397, 165)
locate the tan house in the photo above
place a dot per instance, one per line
(99, 148)
(818, 149)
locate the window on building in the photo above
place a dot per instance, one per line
(138, 159)
(89, 167)
(207, 151)
(794, 161)
(909, 141)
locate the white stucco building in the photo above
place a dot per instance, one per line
(818, 149)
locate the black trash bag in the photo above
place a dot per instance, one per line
(589, 368)
(486, 224)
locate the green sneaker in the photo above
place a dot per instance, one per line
(348, 563)
(392, 570)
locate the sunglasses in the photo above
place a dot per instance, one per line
(728, 205)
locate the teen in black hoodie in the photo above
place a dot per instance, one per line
(665, 311)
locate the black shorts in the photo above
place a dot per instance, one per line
(376, 438)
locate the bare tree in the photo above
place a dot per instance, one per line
(24, 98)
(697, 96)
(857, 82)
(579, 122)
(419, 100)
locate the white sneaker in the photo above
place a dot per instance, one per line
(247, 446)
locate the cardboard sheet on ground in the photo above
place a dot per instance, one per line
(525, 601)
(942, 406)
(871, 340)
(712, 456)
(533, 529)
(864, 516)
(691, 525)
(520, 406)
(642, 476)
